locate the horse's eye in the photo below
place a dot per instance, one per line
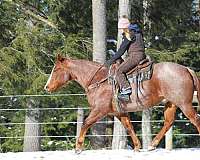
(56, 69)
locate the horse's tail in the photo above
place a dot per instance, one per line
(196, 83)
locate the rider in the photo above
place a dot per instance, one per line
(132, 42)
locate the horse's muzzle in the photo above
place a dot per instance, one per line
(46, 88)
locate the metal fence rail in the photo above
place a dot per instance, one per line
(74, 122)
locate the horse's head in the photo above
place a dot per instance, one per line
(60, 74)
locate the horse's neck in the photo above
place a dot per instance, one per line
(83, 71)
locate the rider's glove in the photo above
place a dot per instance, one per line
(107, 63)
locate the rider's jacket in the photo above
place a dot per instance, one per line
(136, 44)
(132, 43)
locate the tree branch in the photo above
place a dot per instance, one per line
(40, 18)
(27, 11)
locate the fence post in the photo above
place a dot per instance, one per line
(169, 139)
(146, 128)
(32, 130)
(119, 141)
(80, 118)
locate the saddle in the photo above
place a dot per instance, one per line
(142, 72)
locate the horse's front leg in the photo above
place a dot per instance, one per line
(93, 117)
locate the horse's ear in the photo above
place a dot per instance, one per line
(59, 57)
(68, 57)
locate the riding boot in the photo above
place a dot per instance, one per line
(127, 65)
(125, 94)
(125, 88)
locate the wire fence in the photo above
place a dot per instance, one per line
(73, 122)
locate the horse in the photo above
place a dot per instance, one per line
(170, 81)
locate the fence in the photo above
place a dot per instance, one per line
(168, 137)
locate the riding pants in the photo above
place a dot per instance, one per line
(130, 62)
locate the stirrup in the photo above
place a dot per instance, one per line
(123, 97)
(126, 91)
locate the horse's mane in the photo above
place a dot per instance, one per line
(97, 64)
(102, 73)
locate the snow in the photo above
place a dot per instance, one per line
(158, 154)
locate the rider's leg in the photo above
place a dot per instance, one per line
(127, 65)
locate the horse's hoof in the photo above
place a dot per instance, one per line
(137, 149)
(151, 148)
(78, 151)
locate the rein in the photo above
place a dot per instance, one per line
(97, 84)
(88, 85)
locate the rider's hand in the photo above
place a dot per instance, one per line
(107, 64)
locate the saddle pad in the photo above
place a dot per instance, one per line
(141, 75)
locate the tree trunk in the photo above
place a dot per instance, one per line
(146, 114)
(99, 55)
(146, 21)
(196, 9)
(32, 128)
(99, 30)
(196, 5)
(119, 142)
(124, 8)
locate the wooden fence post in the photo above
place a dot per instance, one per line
(146, 128)
(169, 139)
(80, 118)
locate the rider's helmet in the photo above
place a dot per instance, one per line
(134, 27)
(123, 23)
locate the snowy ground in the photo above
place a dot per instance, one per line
(159, 154)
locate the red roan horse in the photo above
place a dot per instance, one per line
(169, 81)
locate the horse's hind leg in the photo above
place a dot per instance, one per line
(125, 120)
(169, 117)
(93, 117)
(191, 114)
